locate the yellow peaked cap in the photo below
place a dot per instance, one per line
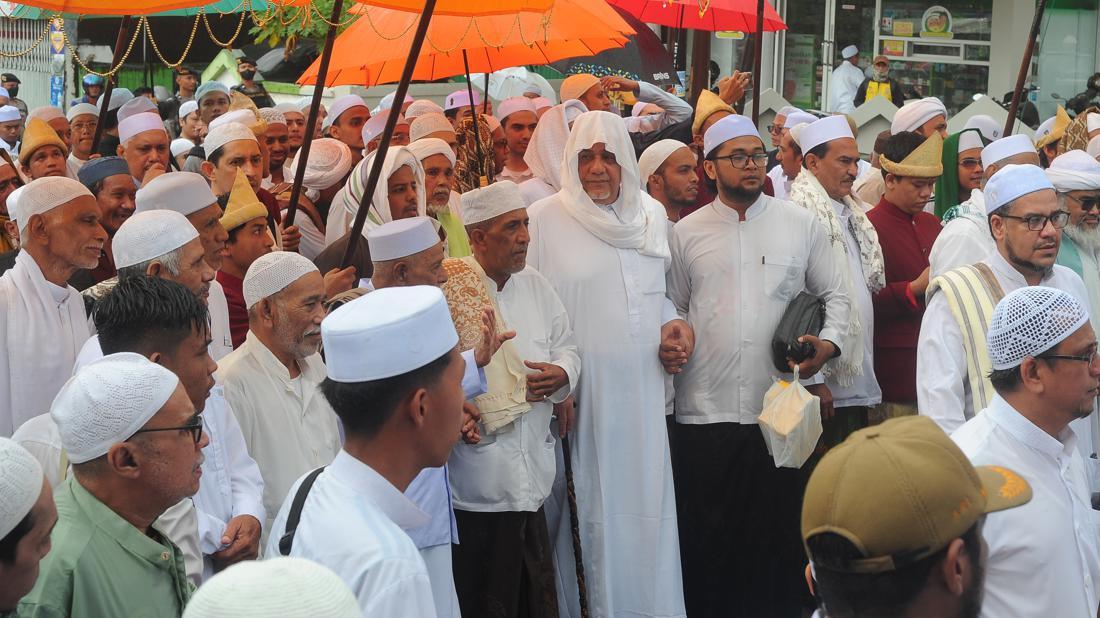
(708, 104)
(924, 162)
(38, 134)
(243, 205)
(1061, 123)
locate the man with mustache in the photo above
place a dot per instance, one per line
(824, 187)
(518, 120)
(438, 161)
(109, 180)
(667, 170)
(1076, 177)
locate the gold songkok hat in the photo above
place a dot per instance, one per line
(243, 205)
(1057, 129)
(924, 162)
(239, 101)
(36, 135)
(708, 104)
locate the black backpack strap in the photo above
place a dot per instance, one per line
(295, 514)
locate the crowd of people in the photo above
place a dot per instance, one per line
(535, 389)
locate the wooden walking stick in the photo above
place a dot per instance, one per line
(575, 527)
(1025, 67)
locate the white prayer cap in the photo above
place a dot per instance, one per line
(402, 238)
(341, 105)
(329, 161)
(969, 140)
(787, 110)
(511, 105)
(1029, 321)
(1074, 170)
(427, 124)
(492, 121)
(730, 127)
(282, 586)
(428, 146)
(991, 130)
(210, 88)
(183, 192)
(1006, 147)
(271, 273)
(653, 157)
(421, 107)
(822, 130)
(136, 105)
(288, 107)
(533, 88)
(271, 116)
(1092, 121)
(243, 116)
(15, 211)
(387, 101)
(542, 103)
(139, 123)
(119, 96)
(638, 108)
(492, 201)
(223, 134)
(407, 327)
(1094, 147)
(150, 234)
(187, 108)
(9, 113)
(849, 51)
(798, 117)
(181, 145)
(304, 103)
(44, 194)
(460, 98)
(1012, 182)
(1045, 128)
(108, 401)
(375, 125)
(47, 113)
(20, 484)
(80, 109)
(914, 114)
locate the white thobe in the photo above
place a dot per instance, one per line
(514, 470)
(42, 327)
(287, 423)
(781, 185)
(843, 85)
(676, 110)
(1042, 556)
(535, 189)
(515, 176)
(221, 340)
(964, 240)
(74, 165)
(353, 522)
(731, 280)
(615, 299)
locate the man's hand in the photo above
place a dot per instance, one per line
(546, 382)
(337, 281)
(614, 83)
(152, 172)
(241, 540)
(920, 284)
(292, 237)
(566, 412)
(677, 345)
(732, 89)
(826, 396)
(823, 351)
(491, 340)
(470, 417)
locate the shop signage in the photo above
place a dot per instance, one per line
(936, 23)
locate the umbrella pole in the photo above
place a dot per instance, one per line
(120, 48)
(387, 133)
(758, 45)
(575, 527)
(481, 171)
(314, 111)
(1025, 67)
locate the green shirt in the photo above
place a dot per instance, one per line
(101, 565)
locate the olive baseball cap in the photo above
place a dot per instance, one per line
(900, 492)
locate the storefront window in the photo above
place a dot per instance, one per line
(966, 21)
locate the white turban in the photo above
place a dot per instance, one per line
(223, 134)
(914, 114)
(546, 150)
(20, 484)
(1012, 182)
(150, 234)
(1029, 321)
(43, 195)
(281, 586)
(1074, 171)
(47, 113)
(271, 116)
(329, 161)
(183, 192)
(428, 146)
(108, 401)
(427, 124)
(655, 156)
(81, 109)
(421, 107)
(272, 273)
(139, 123)
(492, 201)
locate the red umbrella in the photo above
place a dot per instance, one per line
(714, 15)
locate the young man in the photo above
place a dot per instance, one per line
(246, 69)
(82, 122)
(924, 116)
(276, 141)
(43, 153)
(844, 82)
(667, 170)
(213, 100)
(25, 524)
(295, 125)
(345, 123)
(245, 220)
(185, 82)
(518, 119)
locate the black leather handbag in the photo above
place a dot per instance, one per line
(805, 315)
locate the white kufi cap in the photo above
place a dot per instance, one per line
(798, 117)
(914, 114)
(9, 113)
(136, 105)
(271, 116)
(187, 108)
(181, 145)
(492, 201)
(150, 234)
(272, 273)
(376, 125)
(43, 195)
(402, 238)
(1006, 147)
(991, 130)
(139, 123)
(47, 113)
(849, 51)
(20, 484)
(512, 105)
(970, 139)
(823, 130)
(730, 127)
(1029, 321)
(341, 105)
(81, 109)
(183, 192)
(653, 157)
(329, 161)
(1012, 182)
(223, 134)
(282, 586)
(461, 98)
(421, 107)
(1074, 171)
(427, 124)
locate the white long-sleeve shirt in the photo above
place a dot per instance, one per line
(732, 280)
(963, 240)
(1043, 558)
(843, 85)
(676, 110)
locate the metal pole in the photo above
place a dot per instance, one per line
(481, 171)
(758, 51)
(1025, 67)
(387, 133)
(120, 45)
(314, 111)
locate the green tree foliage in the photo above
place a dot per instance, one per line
(295, 24)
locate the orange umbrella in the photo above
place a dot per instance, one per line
(370, 52)
(466, 7)
(138, 7)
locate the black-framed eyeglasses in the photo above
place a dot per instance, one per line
(970, 163)
(1087, 203)
(1036, 223)
(1089, 359)
(741, 161)
(195, 427)
(775, 128)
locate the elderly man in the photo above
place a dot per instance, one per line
(667, 171)
(134, 440)
(432, 124)
(276, 141)
(844, 81)
(28, 518)
(925, 116)
(345, 122)
(144, 143)
(1076, 177)
(245, 220)
(400, 410)
(824, 188)
(82, 121)
(10, 180)
(518, 119)
(213, 100)
(438, 161)
(593, 92)
(966, 238)
(272, 379)
(43, 153)
(751, 253)
(503, 561)
(330, 160)
(42, 320)
(603, 244)
(398, 195)
(109, 180)
(1045, 373)
(789, 156)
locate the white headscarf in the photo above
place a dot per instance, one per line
(643, 224)
(346, 203)
(546, 150)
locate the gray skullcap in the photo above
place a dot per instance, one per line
(210, 88)
(1030, 321)
(136, 105)
(119, 96)
(20, 484)
(272, 273)
(96, 170)
(150, 234)
(282, 586)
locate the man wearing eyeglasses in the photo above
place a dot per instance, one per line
(1076, 177)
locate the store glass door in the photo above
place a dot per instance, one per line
(817, 31)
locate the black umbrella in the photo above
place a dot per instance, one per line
(643, 58)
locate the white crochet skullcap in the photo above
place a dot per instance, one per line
(20, 484)
(427, 124)
(244, 116)
(282, 586)
(653, 157)
(272, 273)
(187, 108)
(291, 108)
(1030, 321)
(108, 401)
(492, 201)
(136, 105)
(421, 107)
(47, 113)
(81, 109)
(329, 161)
(181, 145)
(183, 192)
(139, 123)
(271, 116)
(44, 194)
(150, 234)
(223, 134)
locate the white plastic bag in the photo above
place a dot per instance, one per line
(791, 422)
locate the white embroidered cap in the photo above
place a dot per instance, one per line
(43, 195)
(139, 123)
(281, 586)
(1029, 321)
(653, 157)
(223, 134)
(272, 273)
(271, 116)
(183, 192)
(492, 201)
(730, 127)
(1012, 182)
(1006, 147)
(427, 124)
(81, 109)
(150, 234)
(20, 484)
(341, 105)
(421, 107)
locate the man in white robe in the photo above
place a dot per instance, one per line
(442, 201)
(399, 194)
(603, 244)
(788, 155)
(42, 318)
(844, 82)
(547, 149)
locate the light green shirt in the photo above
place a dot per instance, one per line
(101, 565)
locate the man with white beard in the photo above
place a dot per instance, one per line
(1076, 177)
(442, 203)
